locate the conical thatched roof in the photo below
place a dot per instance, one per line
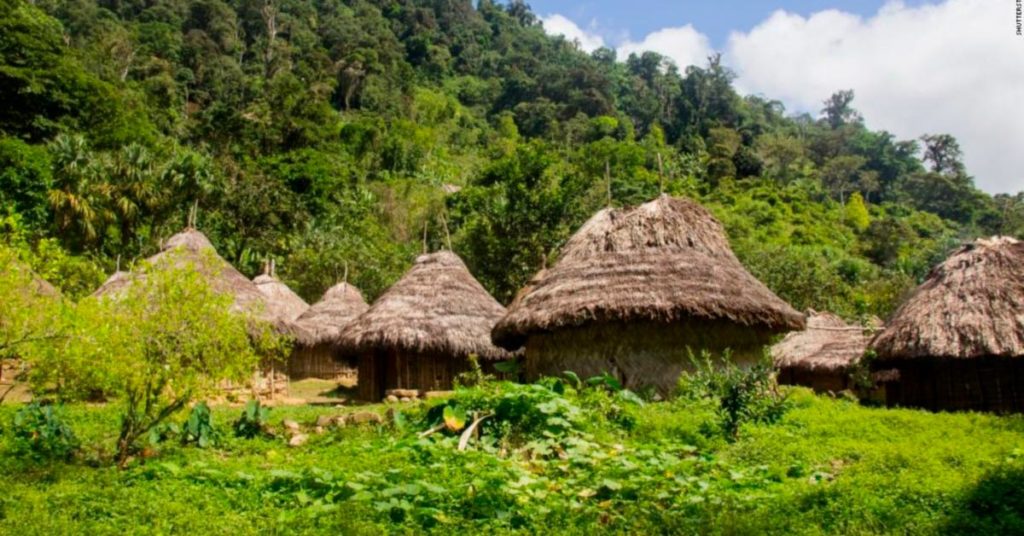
(192, 246)
(282, 302)
(971, 305)
(437, 306)
(113, 284)
(663, 261)
(339, 306)
(827, 344)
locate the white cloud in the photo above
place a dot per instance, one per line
(955, 67)
(559, 25)
(684, 45)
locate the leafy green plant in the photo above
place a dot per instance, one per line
(739, 394)
(40, 432)
(198, 428)
(253, 420)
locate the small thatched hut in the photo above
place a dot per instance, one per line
(282, 302)
(115, 281)
(958, 341)
(633, 290)
(823, 355)
(419, 333)
(315, 355)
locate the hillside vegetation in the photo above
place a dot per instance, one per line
(335, 135)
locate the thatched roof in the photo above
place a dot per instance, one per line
(191, 246)
(115, 282)
(340, 305)
(282, 302)
(664, 261)
(971, 305)
(827, 344)
(436, 307)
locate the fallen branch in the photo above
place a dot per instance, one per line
(468, 432)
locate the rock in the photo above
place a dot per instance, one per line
(391, 399)
(324, 421)
(318, 430)
(403, 393)
(364, 417)
(298, 440)
(405, 399)
(291, 425)
(438, 394)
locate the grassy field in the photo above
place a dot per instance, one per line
(828, 467)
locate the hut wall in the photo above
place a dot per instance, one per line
(320, 362)
(384, 370)
(821, 380)
(982, 384)
(640, 355)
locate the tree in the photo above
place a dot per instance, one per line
(943, 152)
(168, 339)
(29, 308)
(838, 110)
(856, 213)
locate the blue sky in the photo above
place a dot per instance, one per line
(616, 19)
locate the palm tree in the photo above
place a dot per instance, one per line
(76, 197)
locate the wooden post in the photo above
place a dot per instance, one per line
(447, 235)
(661, 176)
(608, 181)
(425, 222)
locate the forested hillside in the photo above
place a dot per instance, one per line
(334, 135)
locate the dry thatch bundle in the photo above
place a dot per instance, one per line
(282, 302)
(436, 307)
(828, 344)
(339, 306)
(664, 261)
(970, 306)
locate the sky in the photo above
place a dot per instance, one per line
(916, 67)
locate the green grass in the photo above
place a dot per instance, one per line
(829, 467)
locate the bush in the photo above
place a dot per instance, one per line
(253, 420)
(740, 395)
(40, 432)
(198, 429)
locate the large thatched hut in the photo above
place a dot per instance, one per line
(282, 302)
(419, 334)
(315, 355)
(633, 290)
(958, 341)
(823, 355)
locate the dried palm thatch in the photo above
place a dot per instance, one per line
(115, 281)
(339, 306)
(664, 261)
(437, 307)
(191, 247)
(828, 344)
(970, 306)
(282, 302)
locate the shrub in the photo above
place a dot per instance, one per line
(253, 420)
(739, 394)
(40, 432)
(198, 429)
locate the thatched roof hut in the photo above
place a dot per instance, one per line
(822, 355)
(281, 301)
(958, 341)
(192, 247)
(339, 306)
(418, 334)
(639, 284)
(314, 355)
(114, 282)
